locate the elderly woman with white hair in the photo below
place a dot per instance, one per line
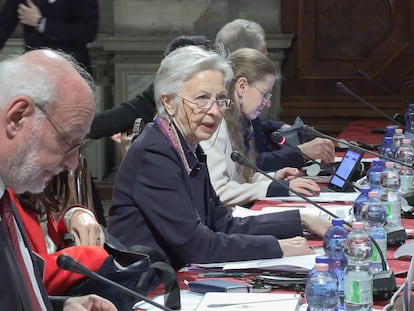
(162, 194)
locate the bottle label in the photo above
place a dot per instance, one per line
(393, 212)
(358, 291)
(406, 183)
(376, 257)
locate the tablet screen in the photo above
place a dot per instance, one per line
(349, 163)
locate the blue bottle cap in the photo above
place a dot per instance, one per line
(337, 221)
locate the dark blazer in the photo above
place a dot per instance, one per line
(13, 295)
(121, 117)
(156, 203)
(70, 25)
(269, 157)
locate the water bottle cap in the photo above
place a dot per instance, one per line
(365, 190)
(321, 267)
(373, 194)
(337, 221)
(377, 162)
(389, 164)
(358, 225)
(406, 141)
(398, 131)
(322, 259)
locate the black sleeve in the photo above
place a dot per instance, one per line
(58, 302)
(8, 20)
(121, 117)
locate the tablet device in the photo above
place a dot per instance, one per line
(349, 164)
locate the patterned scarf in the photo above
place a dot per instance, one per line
(169, 130)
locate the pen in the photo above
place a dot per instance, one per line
(220, 274)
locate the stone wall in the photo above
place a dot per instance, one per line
(134, 33)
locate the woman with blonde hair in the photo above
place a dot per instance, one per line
(250, 92)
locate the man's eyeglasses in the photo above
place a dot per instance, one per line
(61, 132)
(266, 95)
(206, 103)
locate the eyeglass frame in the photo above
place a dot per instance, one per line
(61, 132)
(266, 95)
(211, 103)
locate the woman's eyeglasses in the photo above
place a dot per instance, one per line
(205, 104)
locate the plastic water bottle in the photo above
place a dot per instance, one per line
(409, 122)
(390, 198)
(374, 174)
(405, 154)
(321, 289)
(375, 217)
(398, 137)
(333, 244)
(360, 201)
(387, 149)
(318, 259)
(358, 284)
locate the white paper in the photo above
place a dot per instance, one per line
(252, 301)
(292, 263)
(189, 301)
(322, 197)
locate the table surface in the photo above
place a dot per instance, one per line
(359, 131)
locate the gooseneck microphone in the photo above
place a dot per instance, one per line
(277, 138)
(68, 263)
(384, 281)
(346, 90)
(356, 147)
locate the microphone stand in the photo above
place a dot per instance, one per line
(384, 281)
(319, 134)
(346, 90)
(68, 263)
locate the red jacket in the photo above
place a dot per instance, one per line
(56, 280)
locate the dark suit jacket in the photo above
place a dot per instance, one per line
(70, 25)
(13, 295)
(156, 203)
(270, 158)
(121, 117)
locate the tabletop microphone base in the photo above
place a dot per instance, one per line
(396, 235)
(384, 285)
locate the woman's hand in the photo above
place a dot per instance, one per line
(86, 229)
(286, 173)
(295, 247)
(314, 224)
(304, 186)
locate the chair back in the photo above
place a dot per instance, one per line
(128, 137)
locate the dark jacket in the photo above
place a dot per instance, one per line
(121, 117)
(269, 157)
(13, 295)
(156, 203)
(71, 24)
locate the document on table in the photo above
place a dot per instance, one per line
(342, 211)
(252, 301)
(322, 197)
(289, 264)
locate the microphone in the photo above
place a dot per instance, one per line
(68, 263)
(384, 281)
(356, 147)
(385, 89)
(370, 79)
(346, 90)
(277, 138)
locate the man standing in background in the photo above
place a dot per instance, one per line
(67, 25)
